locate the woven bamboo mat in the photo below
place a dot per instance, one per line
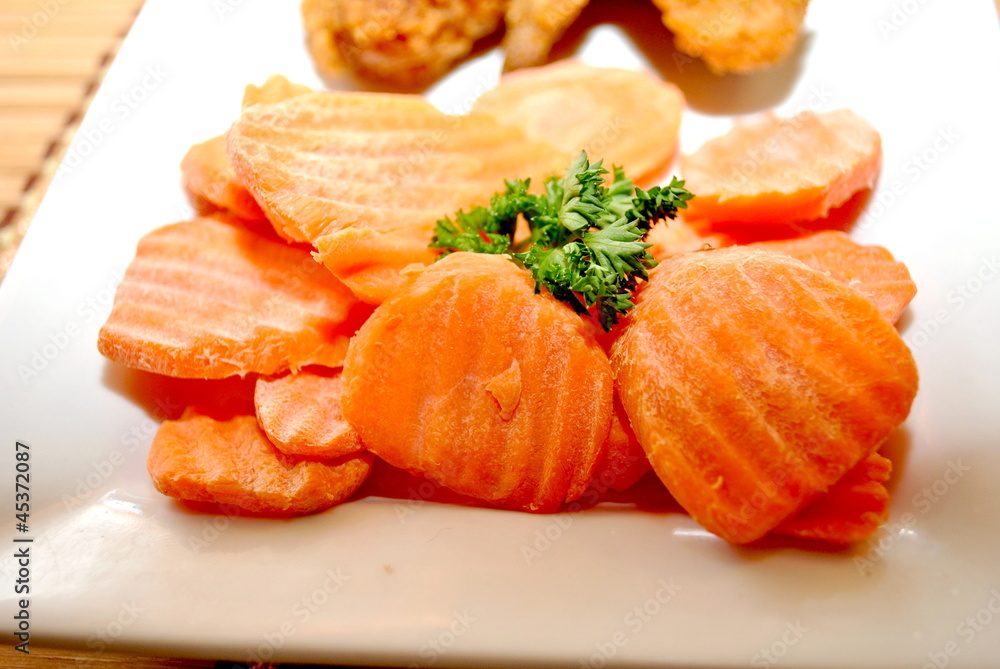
(53, 56)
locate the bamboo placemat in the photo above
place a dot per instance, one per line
(53, 56)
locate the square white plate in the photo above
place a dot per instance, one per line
(116, 565)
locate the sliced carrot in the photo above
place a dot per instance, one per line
(300, 413)
(782, 170)
(754, 383)
(628, 118)
(227, 459)
(734, 35)
(470, 378)
(533, 27)
(211, 183)
(623, 461)
(367, 175)
(206, 299)
(851, 510)
(206, 172)
(670, 238)
(275, 89)
(869, 269)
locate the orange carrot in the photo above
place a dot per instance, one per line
(782, 170)
(212, 184)
(365, 176)
(470, 378)
(670, 238)
(205, 299)
(208, 175)
(851, 510)
(227, 459)
(623, 461)
(275, 89)
(300, 413)
(754, 383)
(628, 118)
(869, 269)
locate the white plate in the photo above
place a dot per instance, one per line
(116, 565)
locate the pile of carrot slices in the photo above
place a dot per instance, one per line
(757, 381)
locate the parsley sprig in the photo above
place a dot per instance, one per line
(585, 244)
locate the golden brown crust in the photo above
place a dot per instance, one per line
(396, 42)
(734, 35)
(534, 26)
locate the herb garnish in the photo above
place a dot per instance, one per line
(585, 244)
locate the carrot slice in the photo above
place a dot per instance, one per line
(470, 378)
(533, 27)
(275, 89)
(365, 175)
(212, 185)
(228, 460)
(670, 238)
(754, 383)
(868, 269)
(206, 172)
(300, 413)
(850, 511)
(782, 170)
(623, 462)
(206, 299)
(734, 35)
(625, 117)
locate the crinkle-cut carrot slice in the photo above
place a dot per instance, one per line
(211, 183)
(228, 460)
(623, 461)
(670, 238)
(869, 269)
(628, 118)
(533, 27)
(206, 171)
(468, 377)
(206, 299)
(774, 170)
(276, 88)
(754, 383)
(368, 175)
(734, 35)
(300, 413)
(851, 510)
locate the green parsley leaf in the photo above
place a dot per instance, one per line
(585, 245)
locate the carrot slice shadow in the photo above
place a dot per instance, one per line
(165, 397)
(413, 489)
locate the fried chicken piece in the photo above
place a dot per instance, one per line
(534, 26)
(734, 35)
(319, 18)
(403, 43)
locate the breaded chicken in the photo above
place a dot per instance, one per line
(398, 42)
(533, 26)
(734, 35)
